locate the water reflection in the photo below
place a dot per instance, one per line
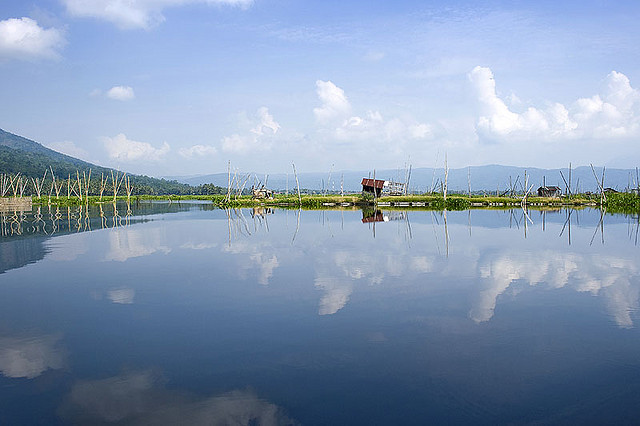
(52, 220)
(455, 317)
(139, 397)
(127, 243)
(28, 356)
(123, 296)
(616, 279)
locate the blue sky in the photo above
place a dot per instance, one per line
(180, 87)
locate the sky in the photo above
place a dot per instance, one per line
(182, 87)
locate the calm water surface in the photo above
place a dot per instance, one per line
(188, 314)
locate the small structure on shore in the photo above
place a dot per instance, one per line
(549, 191)
(383, 187)
(373, 186)
(15, 204)
(261, 192)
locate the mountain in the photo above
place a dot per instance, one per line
(483, 178)
(31, 159)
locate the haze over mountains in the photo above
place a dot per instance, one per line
(31, 159)
(483, 178)
(19, 154)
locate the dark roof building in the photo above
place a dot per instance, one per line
(373, 185)
(549, 191)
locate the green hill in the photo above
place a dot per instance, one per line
(31, 159)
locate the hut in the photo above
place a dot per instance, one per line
(261, 193)
(549, 191)
(373, 186)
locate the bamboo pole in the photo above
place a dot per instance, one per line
(329, 179)
(603, 197)
(22, 184)
(87, 184)
(14, 185)
(4, 184)
(103, 184)
(446, 177)
(228, 197)
(297, 184)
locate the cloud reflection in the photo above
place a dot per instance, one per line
(614, 278)
(123, 296)
(140, 398)
(336, 294)
(129, 243)
(30, 356)
(345, 267)
(262, 258)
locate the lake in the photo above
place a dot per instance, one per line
(188, 314)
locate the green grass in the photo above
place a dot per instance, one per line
(615, 202)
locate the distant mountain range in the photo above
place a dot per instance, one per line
(31, 159)
(489, 178)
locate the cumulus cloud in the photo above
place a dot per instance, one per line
(138, 398)
(23, 38)
(30, 356)
(334, 102)
(198, 151)
(131, 14)
(373, 127)
(614, 113)
(121, 93)
(258, 137)
(335, 112)
(122, 149)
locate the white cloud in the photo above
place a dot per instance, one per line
(266, 122)
(30, 356)
(334, 102)
(198, 151)
(259, 136)
(336, 113)
(123, 149)
(69, 148)
(23, 38)
(130, 14)
(615, 113)
(121, 93)
(374, 128)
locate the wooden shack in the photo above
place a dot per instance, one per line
(549, 191)
(373, 186)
